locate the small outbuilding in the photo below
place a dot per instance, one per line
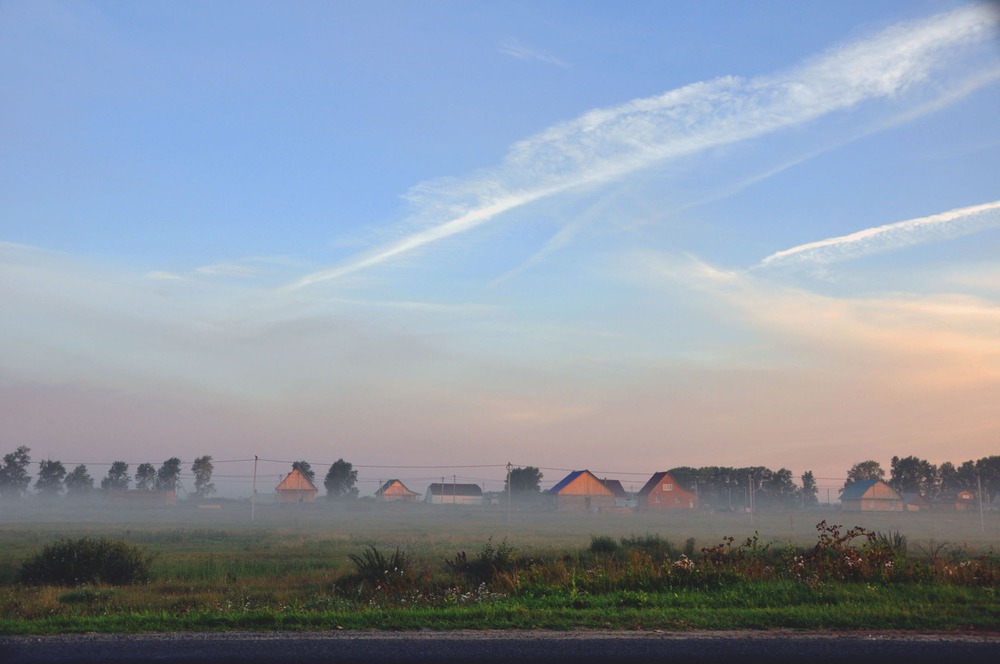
(956, 501)
(662, 492)
(394, 491)
(871, 496)
(582, 491)
(915, 502)
(454, 494)
(296, 488)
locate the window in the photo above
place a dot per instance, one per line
(668, 487)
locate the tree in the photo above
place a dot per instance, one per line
(305, 469)
(864, 470)
(145, 477)
(988, 471)
(524, 480)
(168, 476)
(913, 474)
(202, 469)
(340, 480)
(79, 481)
(117, 478)
(50, 477)
(14, 479)
(809, 489)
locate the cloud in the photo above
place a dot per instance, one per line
(516, 49)
(605, 145)
(954, 223)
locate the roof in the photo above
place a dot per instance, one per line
(296, 481)
(614, 486)
(385, 487)
(566, 481)
(655, 481)
(452, 489)
(857, 490)
(913, 496)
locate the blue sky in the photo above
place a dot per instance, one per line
(570, 235)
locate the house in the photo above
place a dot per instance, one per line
(454, 494)
(915, 502)
(394, 491)
(662, 492)
(296, 488)
(871, 496)
(956, 501)
(582, 491)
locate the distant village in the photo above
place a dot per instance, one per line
(914, 485)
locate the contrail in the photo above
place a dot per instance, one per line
(961, 221)
(605, 145)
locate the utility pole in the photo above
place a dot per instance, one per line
(982, 522)
(253, 492)
(508, 492)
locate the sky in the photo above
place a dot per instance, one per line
(433, 238)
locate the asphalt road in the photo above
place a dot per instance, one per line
(497, 646)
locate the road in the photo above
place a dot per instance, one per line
(496, 646)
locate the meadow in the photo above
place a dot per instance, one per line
(415, 567)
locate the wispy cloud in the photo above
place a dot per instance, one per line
(953, 223)
(607, 144)
(516, 49)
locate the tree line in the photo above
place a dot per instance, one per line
(912, 474)
(717, 487)
(54, 480)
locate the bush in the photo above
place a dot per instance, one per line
(380, 571)
(76, 562)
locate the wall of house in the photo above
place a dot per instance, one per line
(287, 496)
(584, 503)
(448, 499)
(585, 485)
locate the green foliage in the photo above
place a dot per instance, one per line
(14, 479)
(491, 561)
(79, 481)
(86, 560)
(377, 570)
(145, 477)
(340, 480)
(604, 545)
(51, 475)
(524, 480)
(168, 475)
(202, 470)
(117, 477)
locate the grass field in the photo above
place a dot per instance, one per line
(290, 568)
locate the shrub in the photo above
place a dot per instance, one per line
(86, 560)
(380, 571)
(604, 544)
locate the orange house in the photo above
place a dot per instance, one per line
(582, 491)
(296, 488)
(395, 491)
(662, 492)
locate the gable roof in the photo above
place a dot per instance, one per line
(655, 481)
(385, 487)
(296, 481)
(566, 481)
(857, 490)
(450, 489)
(613, 486)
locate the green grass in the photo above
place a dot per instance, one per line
(292, 570)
